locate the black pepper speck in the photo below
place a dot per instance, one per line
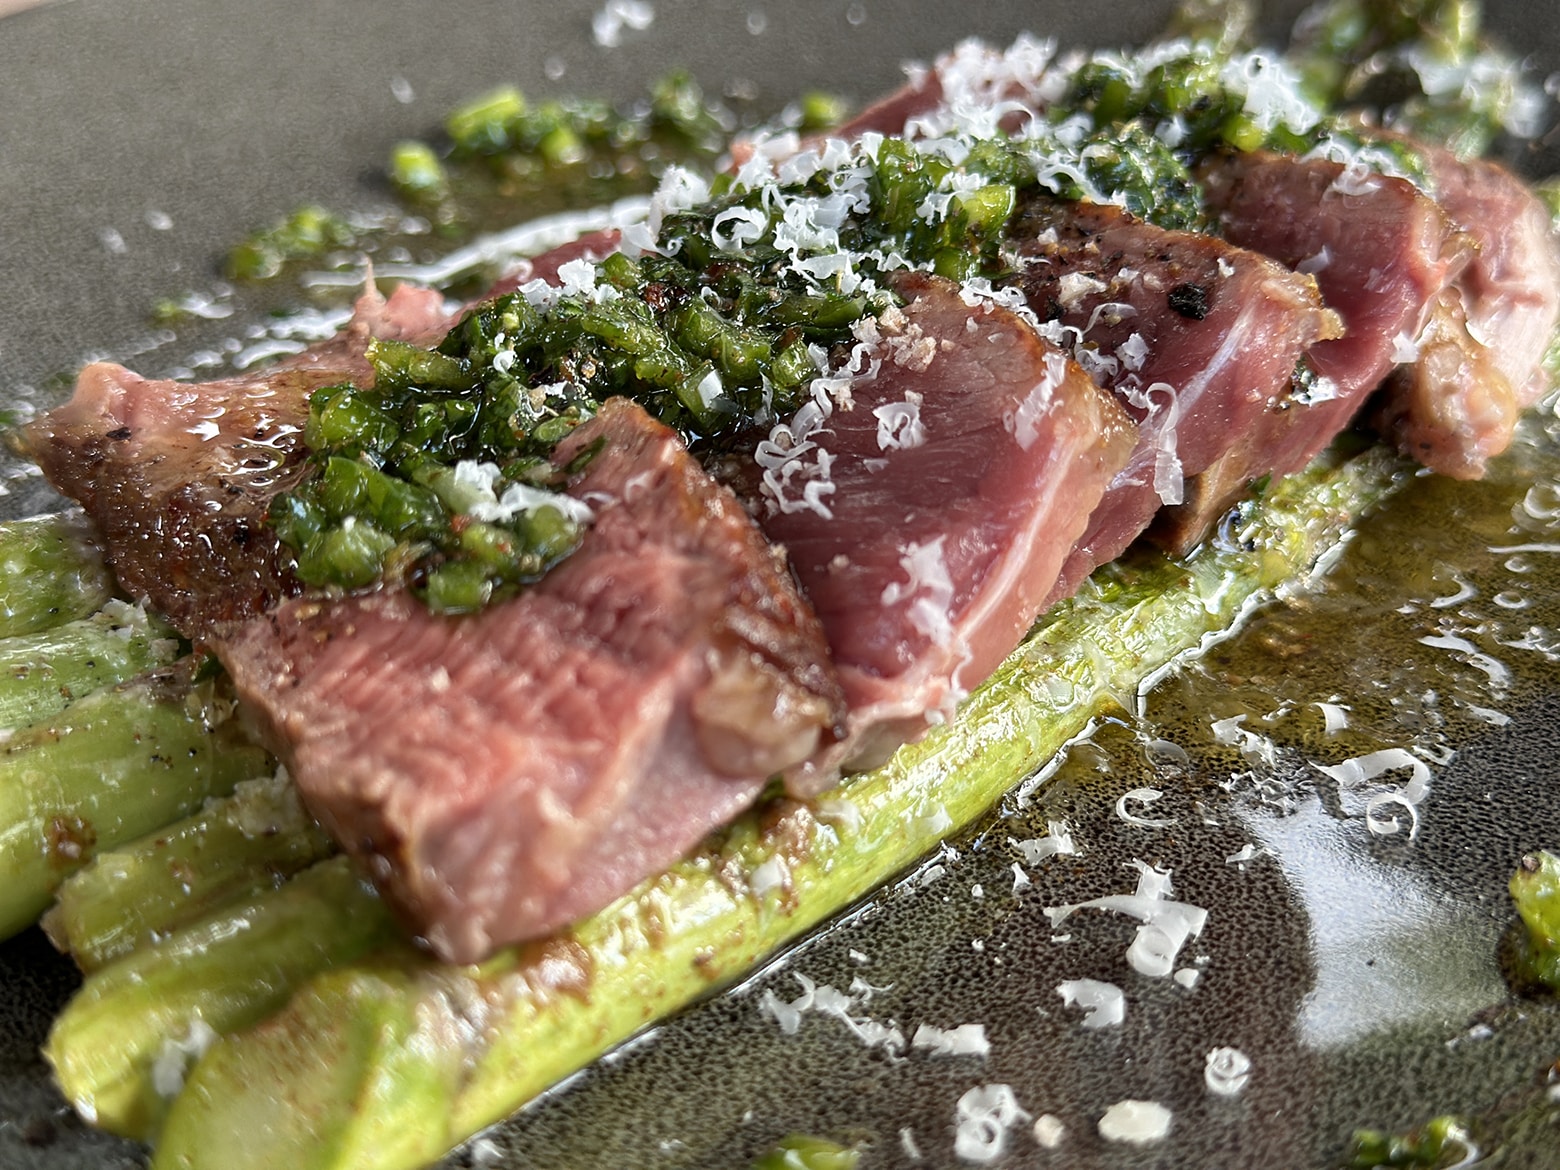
(1190, 300)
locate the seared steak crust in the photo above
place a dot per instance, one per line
(1479, 358)
(1196, 337)
(507, 772)
(177, 476)
(1380, 251)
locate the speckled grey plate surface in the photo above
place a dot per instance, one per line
(1359, 973)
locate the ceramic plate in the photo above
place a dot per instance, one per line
(1359, 973)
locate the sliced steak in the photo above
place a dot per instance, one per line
(972, 86)
(1380, 251)
(544, 266)
(1511, 287)
(889, 115)
(177, 476)
(505, 772)
(1480, 356)
(1454, 408)
(510, 771)
(958, 466)
(1196, 337)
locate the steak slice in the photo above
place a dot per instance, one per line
(1454, 408)
(177, 476)
(1380, 251)
(506, 772)
(959, 465)
(1196, 337)
(1510, 288)
(591, 246)
(1480, 355)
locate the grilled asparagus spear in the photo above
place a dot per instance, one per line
(230, 851)
(118, 764)
(43, 672)
(123, 1038)
(53, 573)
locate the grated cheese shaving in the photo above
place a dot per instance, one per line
(1142, 796)
(1133, 352)
(1273, 91)
(1258, 749)
(899, 424)
(1104, 1004)
(1058, 839)
(747, 224)
(1075, 286)
(175, 1057)
(832, 1002)
(773, 874)
(1024, 422)
(1226, 1071)
(1159, 427)
(1020, 878)
(1049, 1131)
(982, 1120)
(1139, 1123)
(1335, 717)
(929, 591)
(480, 480)
(1499, 673)
(1359, 769)
(964, 1040)
(1357, 177)
(607, 25)
(1166, 924)
(841, 811)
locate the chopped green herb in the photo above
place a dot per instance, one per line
(677, 102)
(417, 173)
(309, 231)
(754, 283)
(800, 1152)
(437, 475)
(820, 111)
(1439, 1142)
(1421, 65)
(1535, 888)
(485, 125)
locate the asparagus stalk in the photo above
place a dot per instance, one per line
(41, 673)
(118, 1049)
(110, 768)
(231, 851)
(392, 1061)
(53, 573)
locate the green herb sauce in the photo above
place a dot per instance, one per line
(1535, 888)
(741, 290)
(1435, 1144)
